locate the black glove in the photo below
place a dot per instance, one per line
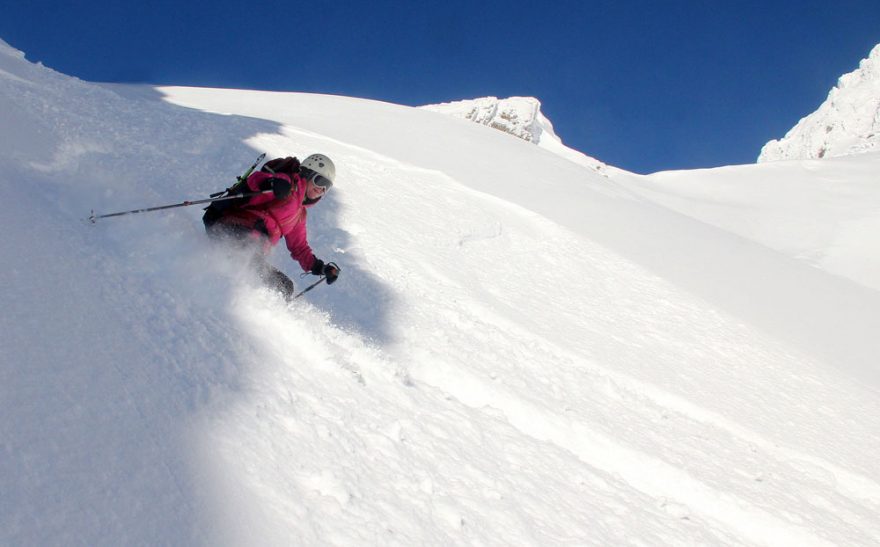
(329, 270)
(280, 187)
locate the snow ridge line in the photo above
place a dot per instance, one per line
(641, 471)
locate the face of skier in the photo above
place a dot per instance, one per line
(313, 191)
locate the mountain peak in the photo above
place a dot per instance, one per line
(517, 116)
(848, 122)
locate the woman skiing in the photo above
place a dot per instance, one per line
(260, 221)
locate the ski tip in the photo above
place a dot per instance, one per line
(92, 217)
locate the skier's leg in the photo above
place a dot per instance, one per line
(245, 238)
(276, 279)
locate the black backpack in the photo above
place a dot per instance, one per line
(289, 166)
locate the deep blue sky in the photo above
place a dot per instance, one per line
(643, 85)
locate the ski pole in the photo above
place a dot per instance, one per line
(310, 287)
(318, 282)
(95, 217)
(213, 197)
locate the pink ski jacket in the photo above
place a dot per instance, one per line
(277, 218)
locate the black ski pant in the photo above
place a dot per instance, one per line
(242, 237)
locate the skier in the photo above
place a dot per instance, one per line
(259, 222)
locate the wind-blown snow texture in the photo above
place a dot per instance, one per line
(520, 351)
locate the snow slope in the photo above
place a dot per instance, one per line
(824, 212)
(519, 351)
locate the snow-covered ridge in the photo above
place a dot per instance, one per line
(848, 122)
(517, 116)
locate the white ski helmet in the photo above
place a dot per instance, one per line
(321, 166)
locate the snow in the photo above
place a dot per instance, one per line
(823, 212)
(848, 122)
(520, 349)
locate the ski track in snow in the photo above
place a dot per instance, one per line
(458, 382)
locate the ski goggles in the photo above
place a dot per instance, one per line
(317, 179)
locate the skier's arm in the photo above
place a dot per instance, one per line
(298, 245)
